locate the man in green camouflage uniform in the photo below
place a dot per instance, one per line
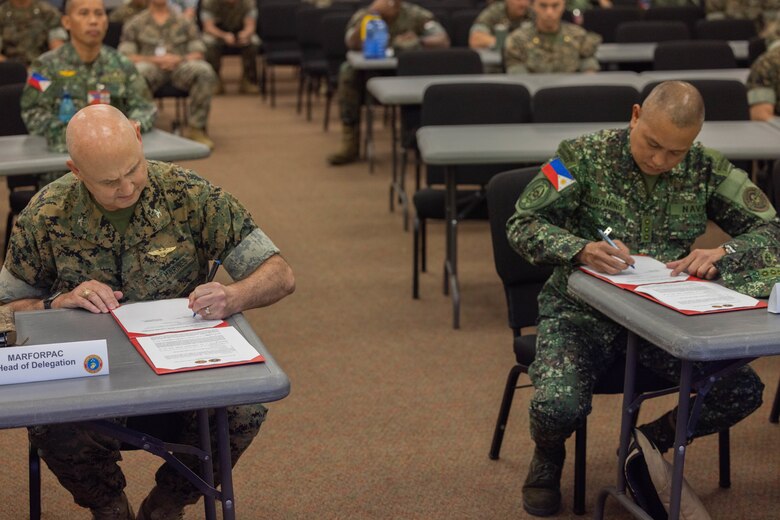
(127, 10)
(409, 27)
(232, 23)
(760, 11)
(656, 189)
(496, 21)
(28, 28)
(763, 85)
(166, 47)
(89, 72)
(549, 44)
(122, 228)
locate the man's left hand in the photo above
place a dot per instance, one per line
(210, 301)
(700, 263)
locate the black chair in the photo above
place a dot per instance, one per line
(442, 15)
(314, 65)
(522, 283)
(179, 97)
(424, 62)
(756, 47)
(276, 27)
(689, 14)
(113, 34)
(652, 31)
(774, 415)
(331, 31)
(694, 54)
(12, 72)
(724, 100)
(729, 29)
(21, 187)
(460, 23)
(462, 104)
(587, 103)
(605, 21)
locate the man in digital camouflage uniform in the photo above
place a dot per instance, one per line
(549, 44)
(87, 70)
(409, 27)
(763, 84)
(232, 23)
(28, 28)
(122, 228)
(496, 21)
(166, 47)
(656, 189)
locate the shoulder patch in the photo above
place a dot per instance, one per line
(755, 200)
(557, 174)
(536, 195)
(39, 82)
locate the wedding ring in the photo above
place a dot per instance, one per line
(208, 310)
(85, 293)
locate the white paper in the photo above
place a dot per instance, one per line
(160, 316)
(773, 305)
(646, 270)
(53, 361)
(197, 348)
(697, 296)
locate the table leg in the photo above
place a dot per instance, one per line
(680, 438)
(225, 464)
(206, 465)
(451, 262)
(369, 125)
(629, 396)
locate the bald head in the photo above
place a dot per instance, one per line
(678, 101)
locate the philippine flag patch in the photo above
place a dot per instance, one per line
(38, 81)
(557, 174)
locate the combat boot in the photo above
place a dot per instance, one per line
(199, 136)
(117, 509)
(542, 488)
(248, 87)
(350, 147)
(158, 506)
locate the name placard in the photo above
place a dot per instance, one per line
(53, 361)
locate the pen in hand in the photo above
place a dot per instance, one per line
(212, 274)
(605, 236)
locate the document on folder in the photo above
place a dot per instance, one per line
(170, 339)
(684, 293)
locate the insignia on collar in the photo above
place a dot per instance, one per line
(67, 73)
(164, 251)
(156, 213)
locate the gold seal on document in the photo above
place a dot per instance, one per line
(164, 251)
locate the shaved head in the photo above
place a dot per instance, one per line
(106, 155)
(677, 100)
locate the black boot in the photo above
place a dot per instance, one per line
(542, 488)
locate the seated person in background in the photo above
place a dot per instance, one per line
(548, 44)
(759, 11)
(94, 237)
(409, 27)
(166, 47)
(185, 7)
(127, 10)
(763, 85)
(89, 72)
(232, 23)
(28, 28)
(496, 21)
(656, 188)
(584, 5)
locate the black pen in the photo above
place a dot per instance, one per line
(212, 274)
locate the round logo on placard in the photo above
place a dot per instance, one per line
(93, 363)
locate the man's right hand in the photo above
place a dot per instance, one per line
(168, 61)
(604, 258)
(229, 38)
(91, 295)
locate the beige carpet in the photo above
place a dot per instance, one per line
(391, 411)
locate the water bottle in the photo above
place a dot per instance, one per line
(375, 44)
(67, 108)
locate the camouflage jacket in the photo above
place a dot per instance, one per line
(62, 70)
(141, 35)
(571, 49)
(552, 226)
(180, 223)
(763, 82)
(495, 14)
(411, 17)
(125, 12)
(228, 16)
(750, 9)
(25, 32)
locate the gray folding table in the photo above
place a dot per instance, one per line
(725, 341)
(132, 388)
(498, 144)
(645, 52)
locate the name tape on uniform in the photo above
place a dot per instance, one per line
(53, 361)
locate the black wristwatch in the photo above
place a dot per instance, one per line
(47, 301)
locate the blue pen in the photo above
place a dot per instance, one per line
(605, 235)
(213, 273)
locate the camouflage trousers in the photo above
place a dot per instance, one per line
(215, 47)
(85, 462)
(196, 76)
(350, 95)
(574, 348)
